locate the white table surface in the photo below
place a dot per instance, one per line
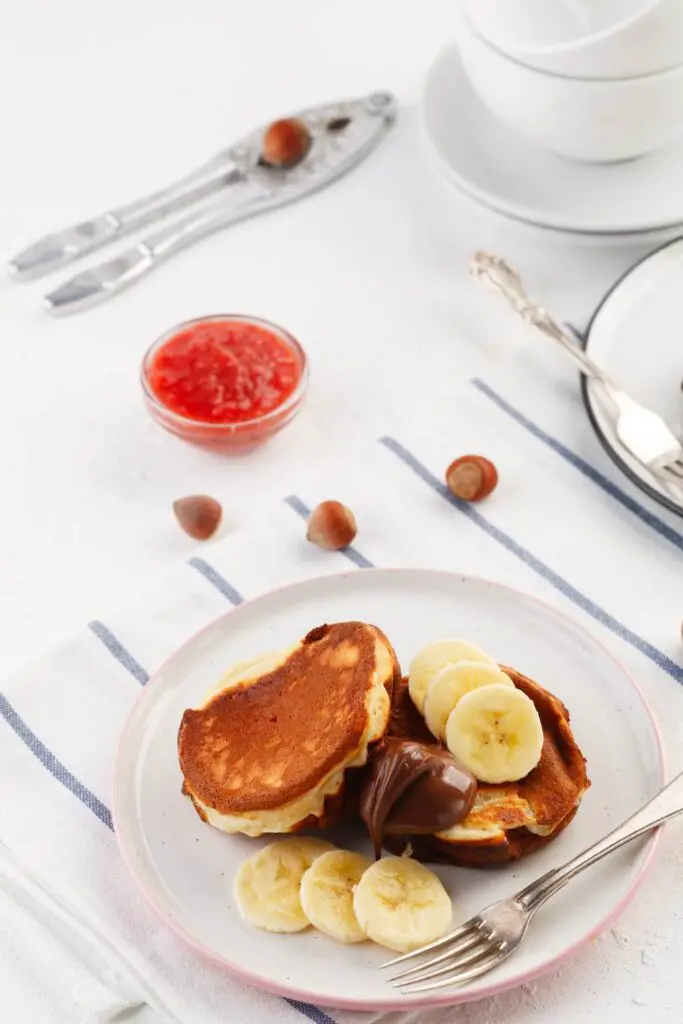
(99, 103)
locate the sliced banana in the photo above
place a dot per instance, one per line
(432, 658)
(401, 904)
(452, 683)
(309, 847)
(327, 894)
(496, 733)
(267, 884)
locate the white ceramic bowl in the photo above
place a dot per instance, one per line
(537, 26)
(584, 38)
(595, 120)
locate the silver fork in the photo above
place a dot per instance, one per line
(645, 434)
(491, 936)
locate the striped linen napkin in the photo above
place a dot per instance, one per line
(562, 525)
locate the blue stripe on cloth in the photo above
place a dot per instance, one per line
(116, 648)
(599, 614)
(214, 577)
(651, 520)
(349, 552)
(53, 764)
(70, 782)
(312, 1012)
(126, 658)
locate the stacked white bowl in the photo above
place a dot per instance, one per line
(594, 80)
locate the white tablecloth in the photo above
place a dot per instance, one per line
(558, 526)
(101, 102)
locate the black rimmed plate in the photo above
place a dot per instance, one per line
(636, 335)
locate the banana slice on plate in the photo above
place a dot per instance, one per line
(432, 658)
(327, 894)
(309, 847)
(496, 733)
(453, 682)
(401, 904)
(267, 884)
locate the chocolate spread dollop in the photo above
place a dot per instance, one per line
(414, 788)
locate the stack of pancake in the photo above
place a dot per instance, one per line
(278, 744)
(283, 741)
(510, 819)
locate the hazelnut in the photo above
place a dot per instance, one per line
(471, 477)
(285, 143)
(331, 526)
(198, 515)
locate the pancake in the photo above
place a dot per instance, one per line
(272, 746)
(510, 820)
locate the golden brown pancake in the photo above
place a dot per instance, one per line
(270, 751)
(509, 820)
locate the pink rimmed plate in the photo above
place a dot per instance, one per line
(185, 868)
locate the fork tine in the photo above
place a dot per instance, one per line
(464, 944)
(457, 979)
(439, 944)
(462, 959)
(670, 480)
(673, 469)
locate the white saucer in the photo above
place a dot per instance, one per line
(507, 174)
(186, 868)
(633, 335)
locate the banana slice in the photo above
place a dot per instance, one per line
(327, 894)
(432, 658)
(496, 733)
(309, 848)
(267, 884)
(401, 904)
(452, 683)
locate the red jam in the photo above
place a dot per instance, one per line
(223, 371)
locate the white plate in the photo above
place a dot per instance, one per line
(633, 335)
(186, 868)
(507, 174)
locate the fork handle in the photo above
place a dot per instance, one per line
(499, 276)
(668, 803)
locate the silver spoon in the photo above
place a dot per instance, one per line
(642, 432)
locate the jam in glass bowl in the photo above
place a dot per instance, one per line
(225, 383)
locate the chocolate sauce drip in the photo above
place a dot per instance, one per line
(414, 788)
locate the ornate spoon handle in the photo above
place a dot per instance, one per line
(496, 274)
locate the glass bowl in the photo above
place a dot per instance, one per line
(226, 437)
